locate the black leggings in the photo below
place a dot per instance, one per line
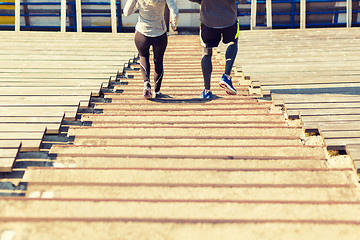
(159, 45)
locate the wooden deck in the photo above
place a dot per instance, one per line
(178, 167)
(46, 78)
(313, 74)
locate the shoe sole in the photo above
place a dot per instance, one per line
(227, 88)
(147, 94)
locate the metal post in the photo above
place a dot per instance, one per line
(268, 14)
(113, 16)
(78, 16)
(17, 15)
(63, 16)
(253, 14)
(348, 13)
(302, 14)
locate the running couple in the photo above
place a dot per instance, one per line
(218, 21)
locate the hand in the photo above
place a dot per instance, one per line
(149, 2)
(173, 27)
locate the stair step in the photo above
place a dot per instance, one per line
(197, 192)
(181, 209)
(224, 151)
(151, 162)
(185, 176)
(209, 112)
(113, 229)
(184, 124)
(195, 118)
(185, 131)
(115, 141)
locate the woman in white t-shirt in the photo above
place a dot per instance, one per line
(151, 31)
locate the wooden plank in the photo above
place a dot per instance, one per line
(110, 228)
(341, 134)
(44, 100)
(7, 163)
(60, 64)
(328, 112)
(302, 14)
(30, 140)
(10, 144)
(330, 118)
(51, 128)
(70, 113)
(27, 145)
(190, 176)
(50, 83)
(342, 126)
(312, 88)
(34, 135)
(354, 151)
(60, 70)
(355, 106)
(69, 57)
(194, 191)
(316, 98)
(308, 124)
(13, 127)
(340, 143)
(8, 155)
(47, 92)
(84, 103)
(130, 53)
(55, 76)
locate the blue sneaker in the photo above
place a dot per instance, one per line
(226, 83)
(206, 95)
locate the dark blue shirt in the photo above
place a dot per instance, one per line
(218, 13)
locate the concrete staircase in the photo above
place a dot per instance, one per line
(185, 168)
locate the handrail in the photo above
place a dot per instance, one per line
(115, 14)
(303, 13)
(76, 16)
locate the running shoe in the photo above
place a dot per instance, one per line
(226, 83)
(157, 94)
(206, 95)
(147, 90)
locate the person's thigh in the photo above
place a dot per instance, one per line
(142, 44)
(210, 37)
(159, 46)
(231, 34)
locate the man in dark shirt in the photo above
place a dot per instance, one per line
(218, 21)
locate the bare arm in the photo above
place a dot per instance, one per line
(130, 7)
(174, 13)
